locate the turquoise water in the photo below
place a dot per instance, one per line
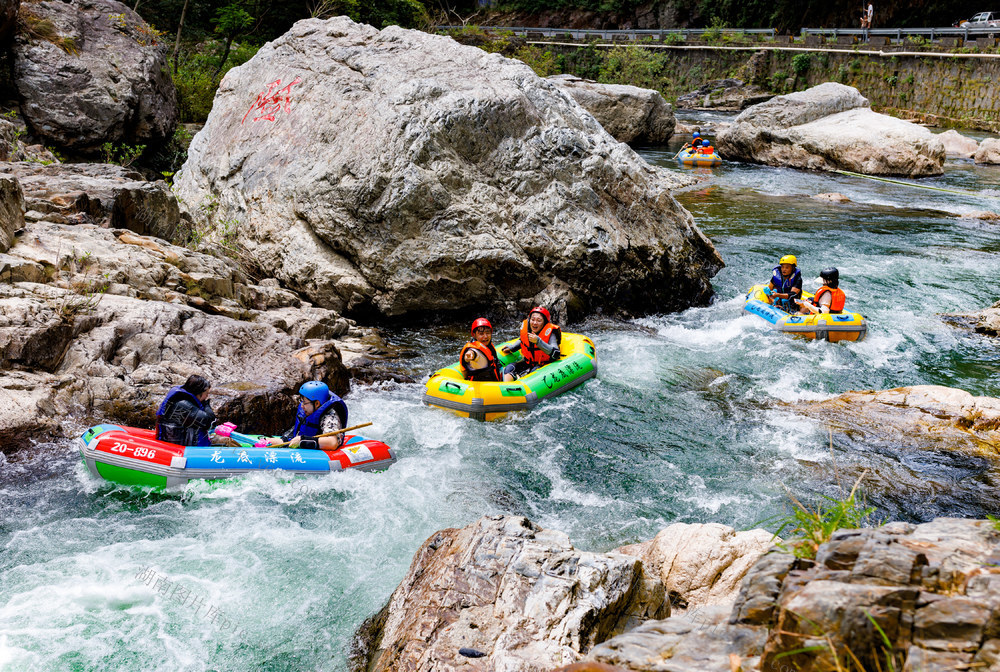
(691, 418)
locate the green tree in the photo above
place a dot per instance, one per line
(231, 22)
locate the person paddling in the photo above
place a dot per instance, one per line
(320, 411)
(186, 414)
(786, 283)
(479, 359)
(829, 298)
(539, 342)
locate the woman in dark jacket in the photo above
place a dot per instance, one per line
(185, 416)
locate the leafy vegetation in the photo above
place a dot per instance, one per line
(801, 64)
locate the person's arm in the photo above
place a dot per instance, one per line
(188, 415)
(330, 422)
(825, 302)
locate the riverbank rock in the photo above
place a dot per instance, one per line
(629, 113)
(701, 564)
(395, 172)
(986, 321)
(922, 416)
(100, 76)
(11, 210)
(957, 145)
(519, 594)
(932, 589)
(989, 151)
(832, 197)
(723, 94)
(830, 127)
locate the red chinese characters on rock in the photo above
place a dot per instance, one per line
(272, 101)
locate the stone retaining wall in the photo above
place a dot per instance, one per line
(946, 89)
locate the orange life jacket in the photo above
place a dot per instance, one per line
(837, 300)
(706, 150)
(490, 373)
(532, 353)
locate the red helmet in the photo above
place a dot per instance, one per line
(543, 311)
(480, 322)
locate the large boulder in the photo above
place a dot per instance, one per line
(396, 172)
(629, 113)
(520, 596)
(98, 73)
(957, 145)
(831, 127)
(11, 210)
(989, 151)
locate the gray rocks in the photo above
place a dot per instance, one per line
(398, 172)
(922, 416)
(724, 94)
(987, 321)
(11, 210)
(931, 588)
(504, 586)
(629, 113)
(830, 127)
(989, 151)
(957, 145)
(102, 78)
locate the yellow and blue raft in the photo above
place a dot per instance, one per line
(695, 158)
(832, 327)
(483, 400)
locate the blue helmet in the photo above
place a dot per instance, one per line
(696, 134)
(705, 143)
(314, 390)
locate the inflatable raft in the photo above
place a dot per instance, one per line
(689, 158)
(489, 401)
(828, 326)
(131, 456)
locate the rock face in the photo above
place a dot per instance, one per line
(399, 172)
(102, 77)
(957, 145)
(989, 151)
(629, 113)
(98, 320)
(521, 595)
(11, 211)
(924, 416)
(701, 564)
(723, 94)
(830, 127)
(933, 589)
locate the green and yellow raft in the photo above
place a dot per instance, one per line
(489, 400)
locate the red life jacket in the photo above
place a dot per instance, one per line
(837, 300)
(490, 373)
(706, 150)
(531, 352)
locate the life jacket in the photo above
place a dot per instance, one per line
(308, 426)
(785, 285)
(837, 300)
(706, 150)
(531, 352)
(174, 433)
(491, 372)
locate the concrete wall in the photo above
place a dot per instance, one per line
(947, 89)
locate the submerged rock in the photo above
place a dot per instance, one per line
(830, 127)
(629, 113)
(102, 76)
(922, 416)
(832, 197)
(397, 172)
(957, 145)
(987, 321)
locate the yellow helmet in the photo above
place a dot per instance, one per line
(788, 259)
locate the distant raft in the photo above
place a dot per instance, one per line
(689, 158)
(132, 456)
(832, 327)
(489, 400)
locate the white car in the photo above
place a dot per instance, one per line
(982, 20)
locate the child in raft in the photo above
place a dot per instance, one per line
(829, 298)
(479, 359)
(786, 283)
(539, 343)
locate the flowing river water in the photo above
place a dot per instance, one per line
(691, 418)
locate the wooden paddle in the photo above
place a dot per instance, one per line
(320, 436)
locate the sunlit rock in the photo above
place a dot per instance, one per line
(832, 197)
(831, 127)
(629, 113)
(397, 172)
(989, 151)
(957, 145)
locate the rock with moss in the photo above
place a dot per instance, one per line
(831, 127)
(629, 113)
(90, 72)
(395, 172)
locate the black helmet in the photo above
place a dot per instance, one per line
(831, 275)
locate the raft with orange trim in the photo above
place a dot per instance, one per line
(831, 327)
(698, 159)
(483, 400)
(132, 456)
